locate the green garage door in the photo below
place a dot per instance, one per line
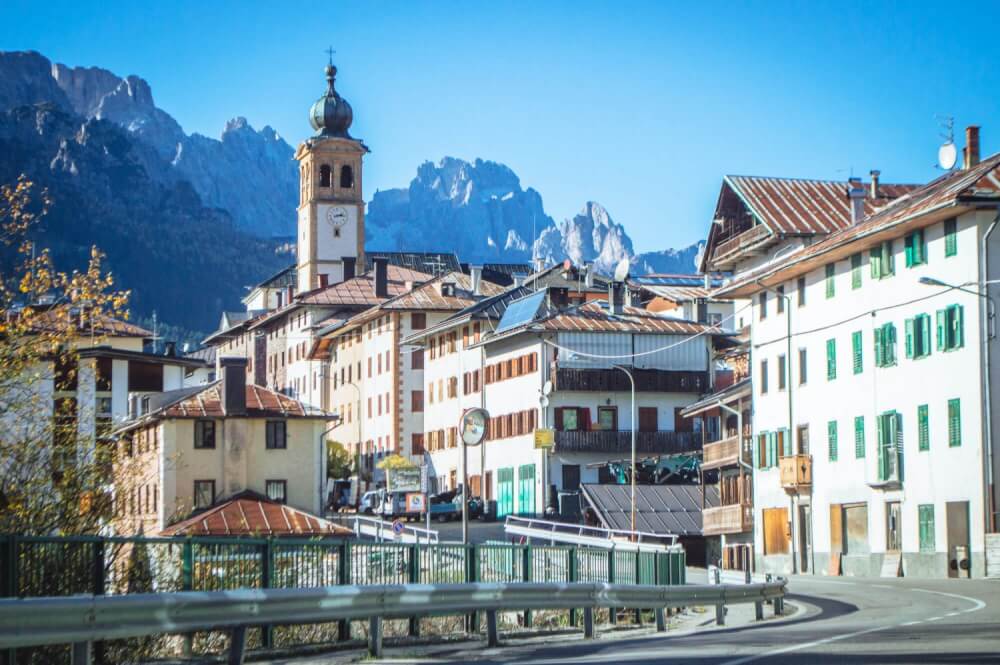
(526, 490)
(505, 491)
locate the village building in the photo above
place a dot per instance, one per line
(687, 297)
(873, 452)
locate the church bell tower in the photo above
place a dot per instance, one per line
(331, 223)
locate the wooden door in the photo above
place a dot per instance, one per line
(776, 536)
(648, 419)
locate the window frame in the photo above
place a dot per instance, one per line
(801, 289)
(856, 267)
(284, 490)
(271, 441)
(950, 237)
(199, 434)
(915, 248)
(194, 499)
(831, 277)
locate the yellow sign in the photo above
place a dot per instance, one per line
(545, 439)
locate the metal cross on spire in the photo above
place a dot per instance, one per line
(329, 51)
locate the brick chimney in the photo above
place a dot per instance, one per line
(971, 151)
(350, 264)
(381, 277)
(875, 173)
(856, 196)
(233, 372)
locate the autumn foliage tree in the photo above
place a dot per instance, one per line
(53, 479)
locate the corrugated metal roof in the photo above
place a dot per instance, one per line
(431, 263)
(252, 514)
(666, 509)
(802, 206)
(978, 183)
(594, 316)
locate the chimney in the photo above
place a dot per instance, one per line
(350, 264)
(381, 277)
(616, 297)
(971, 151)
(588, 278)
(519, 279)
(170, 348)
(856, 194)
(875, 173)
(476, 278)
(233, 372)
(539, 264)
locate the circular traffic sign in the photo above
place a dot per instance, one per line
(397, 527)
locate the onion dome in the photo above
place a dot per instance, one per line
(331, 115)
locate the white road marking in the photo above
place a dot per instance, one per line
(910, 623)
(978, 603)
(934, 619)
(882, 586)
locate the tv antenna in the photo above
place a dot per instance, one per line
(947, 153)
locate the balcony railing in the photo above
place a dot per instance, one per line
(730, 248)
(735, 518)
(721, 453)
(613, 380)
(609, 441)
(796, 472)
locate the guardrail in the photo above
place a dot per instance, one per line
(591, 536)
(83, 620)
(380, 530)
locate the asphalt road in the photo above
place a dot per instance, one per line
(848, 620)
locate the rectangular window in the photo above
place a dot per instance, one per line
(762, 302)
(831, 439)
(276, 434)
(858, 359)
(950, 237)
(954, 423)
(950, 328)
(780, 299)
(417, 444)
(918, 336)
(890, 446)
(923, 428)
(802, 433)
(277, 490)
(925, 526)
(607, 418)
(859, 437)
(831, 285)
(915, 248)
(782, 367)
(204, 434)
(831, 359)
(885, 345)
(418, 320)
(417, 359)
(417, 401)
(882, 261)
(567, 420)
(856, 271)
(204, 493)
(801, 289)
(763, 377)
(803, 374)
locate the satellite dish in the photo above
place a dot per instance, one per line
(947, 155)
(621, 270)
(543, 401)
(547, 388)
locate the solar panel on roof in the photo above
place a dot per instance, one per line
(521, 311)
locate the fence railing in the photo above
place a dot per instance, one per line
(82, 621)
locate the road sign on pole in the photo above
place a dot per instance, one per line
(545, 439)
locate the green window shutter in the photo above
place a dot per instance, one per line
(954, 423)
(925, 522)
(921, 247)
(831, 287)
(925, 334)
(908, 244)
(858, 357)
(879, 351)
(889, 340)
(950, 237)
(831, 359)
(856, 271)
(942, 339)
(958, 326)
(786, 443)
(859, 437)
(923, 428)
(888, 259)
(772, 449)
(909, 338)
(831, 435)
(875, 261)
(896, 442)
(880, 445)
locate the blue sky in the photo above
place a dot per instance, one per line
(640, 106)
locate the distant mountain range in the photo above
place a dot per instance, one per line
(171, 209)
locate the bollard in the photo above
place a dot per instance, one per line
(82, 653)
(237, 645)
(491, 628)
(758, 607)
(375, 637)
(720, 615)
(588, 623)
(661, 620)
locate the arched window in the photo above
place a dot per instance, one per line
(346, 177)
(324, 176)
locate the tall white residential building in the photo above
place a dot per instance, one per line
(873, 420)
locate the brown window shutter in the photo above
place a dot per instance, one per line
(465, 336)
(475, 332)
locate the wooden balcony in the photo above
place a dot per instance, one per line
(796, 473)
(721, 453)
(734, 518)
(739, 246)
(620, 442)
(613, 380)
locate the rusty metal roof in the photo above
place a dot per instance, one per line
(593, 316)
(952, 190)
(666, 509)
(251, 514)
(797, 206)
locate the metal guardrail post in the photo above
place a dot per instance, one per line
(720, 609)
(588, 623)
(9, 584)
(661, 619)
(187, 584)
(375, 637)
(82, 653)
(638, 580)
(237, 645)
(573, 577)
(344, 577)
(472, 559)
(527, 564)
(414, 550)
(98, 581)
(266, 581)
(492, 638)
(612, 611)
(758, 607)
(779, 604)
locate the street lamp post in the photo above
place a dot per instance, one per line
(631, 379)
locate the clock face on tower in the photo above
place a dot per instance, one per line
(336, 217)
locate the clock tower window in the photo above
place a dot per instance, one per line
(324, 175)
(346, 177)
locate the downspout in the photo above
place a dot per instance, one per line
(990, 517)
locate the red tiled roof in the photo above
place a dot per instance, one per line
(261, 403)
(799, 206)
(593, 316)
(101, 325)
(361, 290)
(251, 514)
(980, 183)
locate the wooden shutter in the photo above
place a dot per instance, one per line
(836, 528)
(648, 417)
